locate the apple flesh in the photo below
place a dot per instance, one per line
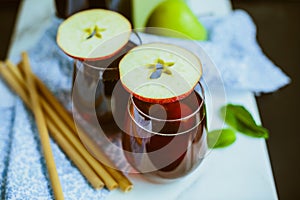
(93, 34)
(177, 16)
(159, 73)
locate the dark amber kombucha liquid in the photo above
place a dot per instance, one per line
(165, 140)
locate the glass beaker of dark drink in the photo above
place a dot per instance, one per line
(164, 134)
(166, 141)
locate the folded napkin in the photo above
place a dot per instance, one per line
(238, 56)
(6, 124)
(232, 46)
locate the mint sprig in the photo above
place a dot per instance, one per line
(239, 118)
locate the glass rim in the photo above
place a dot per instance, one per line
(169, 134)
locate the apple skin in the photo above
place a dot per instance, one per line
(177, 16)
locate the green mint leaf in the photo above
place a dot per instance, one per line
(253, 131)
(220, 138)
(239, 118)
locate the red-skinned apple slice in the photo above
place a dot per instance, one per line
(160, 73)
(93, 34)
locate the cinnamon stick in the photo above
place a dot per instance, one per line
(42, 129)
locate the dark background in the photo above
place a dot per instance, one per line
(278, 24)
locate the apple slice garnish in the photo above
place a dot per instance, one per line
(93, 34)
(160, 73)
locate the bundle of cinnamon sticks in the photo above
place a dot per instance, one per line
(61, 127)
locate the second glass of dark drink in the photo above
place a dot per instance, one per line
(96, 39)
(93, 93)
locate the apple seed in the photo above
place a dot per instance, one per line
(159, 67)
(96, 31)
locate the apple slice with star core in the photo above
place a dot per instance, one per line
(159, 72)
(93, 34)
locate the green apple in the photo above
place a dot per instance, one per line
(159, 72)
(177, 16)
